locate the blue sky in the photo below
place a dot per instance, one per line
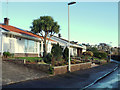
(90, 22)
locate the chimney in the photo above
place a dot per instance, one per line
(59, 35)
(6, 21)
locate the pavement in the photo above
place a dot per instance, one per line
(77, 79)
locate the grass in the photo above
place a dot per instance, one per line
(30, 58)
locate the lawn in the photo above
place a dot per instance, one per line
(30, 58)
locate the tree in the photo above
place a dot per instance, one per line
(65, 53)
(47, 27)
(56, 51)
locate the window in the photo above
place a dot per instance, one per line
(40, 46)
(35, 47)
(30, 46)
(26, 45)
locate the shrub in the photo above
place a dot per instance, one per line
(100, 55)
(48, 58)
(89, 53)
(56, 51)
(65, 54)
(51, 70)
(6, 54)
(93, 49)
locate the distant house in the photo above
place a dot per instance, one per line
(20, 42)
(75, 49)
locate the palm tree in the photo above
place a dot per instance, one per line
(47, 27)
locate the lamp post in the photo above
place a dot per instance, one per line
(69, 35)
(110, 49)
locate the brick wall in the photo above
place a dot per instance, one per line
(60, 69)
(74, 67)
(25, 55)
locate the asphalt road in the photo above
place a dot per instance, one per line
(111, 81)
(78, 79)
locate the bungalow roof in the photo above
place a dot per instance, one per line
(21, 31)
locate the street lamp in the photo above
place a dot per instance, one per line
(110, 49)
(69, 35)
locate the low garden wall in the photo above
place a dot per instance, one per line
(74, 67)
(99, 62)
(116, 57)
(25, 55)
(41, 67)
(16, 61)
(56, 69)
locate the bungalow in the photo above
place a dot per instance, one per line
(20, 42)
(75, 49)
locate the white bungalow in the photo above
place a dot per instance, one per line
(75, 49)
(20, 42)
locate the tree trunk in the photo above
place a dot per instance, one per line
(45, 47)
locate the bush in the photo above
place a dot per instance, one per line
(92, 49)
(65, 54)
(56, 51)
(48, 58)
(100, 55)
(51, 70)
(89, 53)
(6, 54)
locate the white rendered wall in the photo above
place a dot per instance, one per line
(5, 43)
(19, 46)
(74, 51)
(0, 40)
(71, 51)
(84, 49)
(15, 45)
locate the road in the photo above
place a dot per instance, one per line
(111, 81)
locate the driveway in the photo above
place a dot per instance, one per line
(12, 73)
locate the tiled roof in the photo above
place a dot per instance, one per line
(17, 30)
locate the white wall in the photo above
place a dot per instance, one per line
(84, 49)
(5, 43)
(74, 51)
(20, 46)
(15, 45)
(0, 40)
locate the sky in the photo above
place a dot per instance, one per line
(90, 22)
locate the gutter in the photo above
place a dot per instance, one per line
(23, 36)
